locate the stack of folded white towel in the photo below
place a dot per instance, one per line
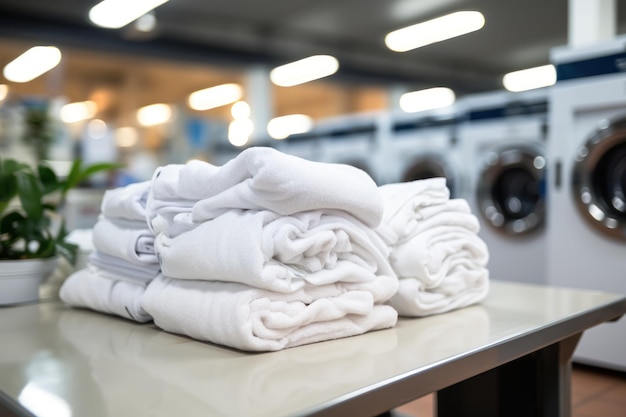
(436, 252)
(123, 261)
(268, 251)
(271, 251)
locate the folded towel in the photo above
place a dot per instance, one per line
(404, 203)
(273, 252)
(262, 178)
(248, 318)
(128, 202)
(413, 299)
(122, 270)
(87, 288)
(128, 240)
(439, 253)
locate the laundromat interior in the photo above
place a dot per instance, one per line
(522, 111)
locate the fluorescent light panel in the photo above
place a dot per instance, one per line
(529, 79)
(78, 111)
(154, 114)
(304, 70)
(212, 97)
(435, 30)
(32, 63)
(429, 99)
(114, 14)
(283, 126)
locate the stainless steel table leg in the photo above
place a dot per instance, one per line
(535, 385)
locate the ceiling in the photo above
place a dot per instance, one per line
(230, 36)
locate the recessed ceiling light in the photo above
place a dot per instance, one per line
(114, 14)
(435, 30)
(529, 79)
(32, 63)
(212, 97)
(431, 98)
(304, 70)
(154, 114)
(78, 111)
(283, 126)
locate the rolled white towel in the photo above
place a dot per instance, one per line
(128, 202)
(86, 288)
(252, 319)
(128, 240)
(262, 178)
(279, 253)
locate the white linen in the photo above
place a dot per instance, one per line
(122, 239)
(86, 288)
(274, 252)
(262, 178)
(439, 259)
(248, 318)
(128, 202)
(122, 270)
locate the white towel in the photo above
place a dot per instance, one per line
(248, 318)
(262, 178)
(122, 270)
(404, 203)
(438, 253)
(128, 240)
(273, 252)
(86, 288)
(128, 202)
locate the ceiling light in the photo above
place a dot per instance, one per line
(239, 131)
(32, 63)
(304, 70)
(240, 110)
(529, 79)
(146, 23)
(283, 126)
(435, 30)
(213, 97)
(154, 114)
(114, 14)
(431, 98)
(76, 112)
(126, 136)
(4, 91)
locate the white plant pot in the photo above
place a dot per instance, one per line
(20, 279)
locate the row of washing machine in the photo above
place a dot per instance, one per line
(544, 170)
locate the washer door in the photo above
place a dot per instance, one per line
(599, 179)
(511, 189)
(430, 166)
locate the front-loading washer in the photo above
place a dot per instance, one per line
(587, 182)
(350, 139)
(504, 139)
(423, 145)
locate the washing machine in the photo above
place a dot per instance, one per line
(504, 141)
(423, 145)
(352, 140)
(587, 185)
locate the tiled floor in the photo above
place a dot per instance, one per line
(595, 393)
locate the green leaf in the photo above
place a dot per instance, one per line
(48, 179)
(30, 195)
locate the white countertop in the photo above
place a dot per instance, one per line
(83, 363)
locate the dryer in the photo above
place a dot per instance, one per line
(423, 145)
(352, 140)
(587, 181)
(504, 140)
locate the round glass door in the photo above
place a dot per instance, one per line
(599, 179)
(430, 166)
(511, 189)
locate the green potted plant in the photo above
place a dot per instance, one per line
(32, 230)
